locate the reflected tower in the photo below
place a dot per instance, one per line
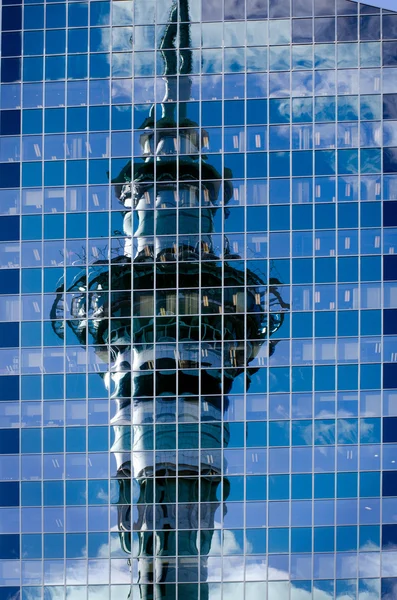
(178, 322)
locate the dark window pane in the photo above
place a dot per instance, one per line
(10, 593)
(390, 106)
(390, 268)
(9, 229)
(11, 44)
(10, 122)
(389, 53)
(389, 487)
(301, 8)
(11, 18)
(33, 17)
(302, 30)
(256, 112)
(55, 41)
(256, 9)
(9, 547)
(279, 8)
(346, 7)
(390, 214)
(390, 160)
(323, 7)
(390, 369)
(9, 493)
(55, 15)
(389, 27)
(324, 30)
(390, 321)
(369, 10)
(370, 27)
(347, 29)
(389, 588)
(9, 284)
(9, 336)
(9, 441)
(9, 175)
(390, 429)
(10, 70)
(389, 537)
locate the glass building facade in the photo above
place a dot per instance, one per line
(198, 300)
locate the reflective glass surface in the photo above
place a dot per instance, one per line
(198, 300)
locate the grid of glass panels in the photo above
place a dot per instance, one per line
(198, 300)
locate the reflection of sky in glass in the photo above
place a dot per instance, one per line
(388, 4)
(256, 568)
(337, 458)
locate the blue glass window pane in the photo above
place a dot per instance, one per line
(53, 387)
(75, 439)
(31, 441)
(55, 41)
(324, 485)
(390, 321)
(346, 539)
(31, 336)
(99, 39)
(9, 493)
(75, 545)
(33, 17)
(9, 441)
(31, 545)
(53, 493)
(325, 109)
(32, 174)
(9, 175)
(55, 92)
(302, 163)
(75, 493)
(325, 162)
(9, 389)
(278, 540)
(33, 68)
(389, 50)
(10, 70)
(9, 228)
(77, 40)
(301, 539)
(99, 65)
(76, 119)
(324, 539)
(99, 118)
(9, 335)
(370, 377)
(78, 14)
(77, 66)
(53, 440)
(11, 44)
(56, 16)
(301, 487)
(10, 122)
(54, 120)
(389, 483)
(256, 112)
(100, 13)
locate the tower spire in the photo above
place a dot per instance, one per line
(176, 50)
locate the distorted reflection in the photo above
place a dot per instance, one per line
(178, 322)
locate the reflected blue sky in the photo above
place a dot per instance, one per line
(388, 4)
